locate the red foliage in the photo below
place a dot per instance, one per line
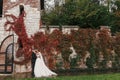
(18, 27)
(81, 40)
(54, 39)
(40, 41)
(47, 43)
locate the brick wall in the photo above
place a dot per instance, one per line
(7, 4)
(32, 15)
(32, 9)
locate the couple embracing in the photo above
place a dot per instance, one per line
(39, 68)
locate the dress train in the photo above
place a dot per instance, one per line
(41, 70)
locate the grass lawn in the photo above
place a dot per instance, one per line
(115, 76)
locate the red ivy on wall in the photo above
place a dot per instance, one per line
(25, 43)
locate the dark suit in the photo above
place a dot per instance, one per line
(33, 59)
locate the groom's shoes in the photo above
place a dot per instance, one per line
(32, 75)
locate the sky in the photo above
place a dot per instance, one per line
(49, 4)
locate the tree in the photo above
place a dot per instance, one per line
(116, 12)
(83, 13)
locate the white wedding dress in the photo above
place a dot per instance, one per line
(41, 70)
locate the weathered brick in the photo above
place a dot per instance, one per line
(31, 20)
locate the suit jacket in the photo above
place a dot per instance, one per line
(34, 57)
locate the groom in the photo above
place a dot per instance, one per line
(33, 59)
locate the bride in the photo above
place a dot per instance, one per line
(41, 70)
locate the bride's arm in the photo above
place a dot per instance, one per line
(38, 56)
